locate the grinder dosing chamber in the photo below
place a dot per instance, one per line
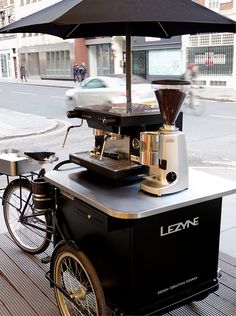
(164, 151)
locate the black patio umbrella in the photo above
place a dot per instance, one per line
(92, 18)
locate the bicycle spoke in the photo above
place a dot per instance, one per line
(79, 281)
(31, 232)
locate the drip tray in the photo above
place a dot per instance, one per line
(108, 167)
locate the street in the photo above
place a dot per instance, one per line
(211, 138)
(39, 100)
(48, 102)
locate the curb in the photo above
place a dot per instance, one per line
(222, 99)
(43, 84)
(23, 124)
(17, 135)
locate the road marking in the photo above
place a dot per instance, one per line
(215, 168)
(19, 92)
(56, 97)
(221, 163)
(224, 117)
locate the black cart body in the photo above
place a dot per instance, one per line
(151, 253)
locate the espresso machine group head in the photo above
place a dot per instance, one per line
(164, 151)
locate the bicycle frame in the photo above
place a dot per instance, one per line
(21, 199)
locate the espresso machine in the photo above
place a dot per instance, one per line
(164, 151)
(121, 136)
(116, 150)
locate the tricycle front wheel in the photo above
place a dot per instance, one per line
(78, 290)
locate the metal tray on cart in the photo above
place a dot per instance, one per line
(13, 162)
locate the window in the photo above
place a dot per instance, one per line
(94, 84)
(211, 39)
(213, 4)
(105, 62)
(212, 60)
(26, 2)
(58, 63)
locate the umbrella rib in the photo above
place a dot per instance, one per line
(163, 29)
(74, 28)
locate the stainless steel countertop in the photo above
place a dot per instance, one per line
(127, 201)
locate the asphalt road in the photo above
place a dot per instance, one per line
(39, 100)
(211, 137)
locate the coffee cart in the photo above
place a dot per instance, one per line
(151, 253)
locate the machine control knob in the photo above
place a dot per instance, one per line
(171, 176)
(136, 143)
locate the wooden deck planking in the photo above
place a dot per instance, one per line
(3, 310)
(220, 303)
(26, 277)
(25, 290)
(16, 303)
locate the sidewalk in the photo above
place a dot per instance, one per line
(42, 82)
(217, 93)
(16, 124)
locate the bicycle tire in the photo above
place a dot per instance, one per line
(198, 109)
(192, 105)
(73, 273)
(27, 238)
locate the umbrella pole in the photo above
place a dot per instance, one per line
(128, 70)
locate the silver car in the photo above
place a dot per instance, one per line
(105, 89)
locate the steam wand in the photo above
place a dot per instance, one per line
(103, 146)
(68, 130)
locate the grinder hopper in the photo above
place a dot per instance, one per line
(164, 151)
(170, 95)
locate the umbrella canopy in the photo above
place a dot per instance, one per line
(157, 18)
(90, 18)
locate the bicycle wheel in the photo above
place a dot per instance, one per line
(74, 274)
(198, 108)
(192, 105)
(30, 239)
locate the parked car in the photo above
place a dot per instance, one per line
(109, 89)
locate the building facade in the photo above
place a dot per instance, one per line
(8, 50)
(43, 55)
(155, 58)
(214, 53)
(50, 57)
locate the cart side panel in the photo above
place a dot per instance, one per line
(176, 254)
(149, 263)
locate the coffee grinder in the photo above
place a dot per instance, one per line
(164, 151)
